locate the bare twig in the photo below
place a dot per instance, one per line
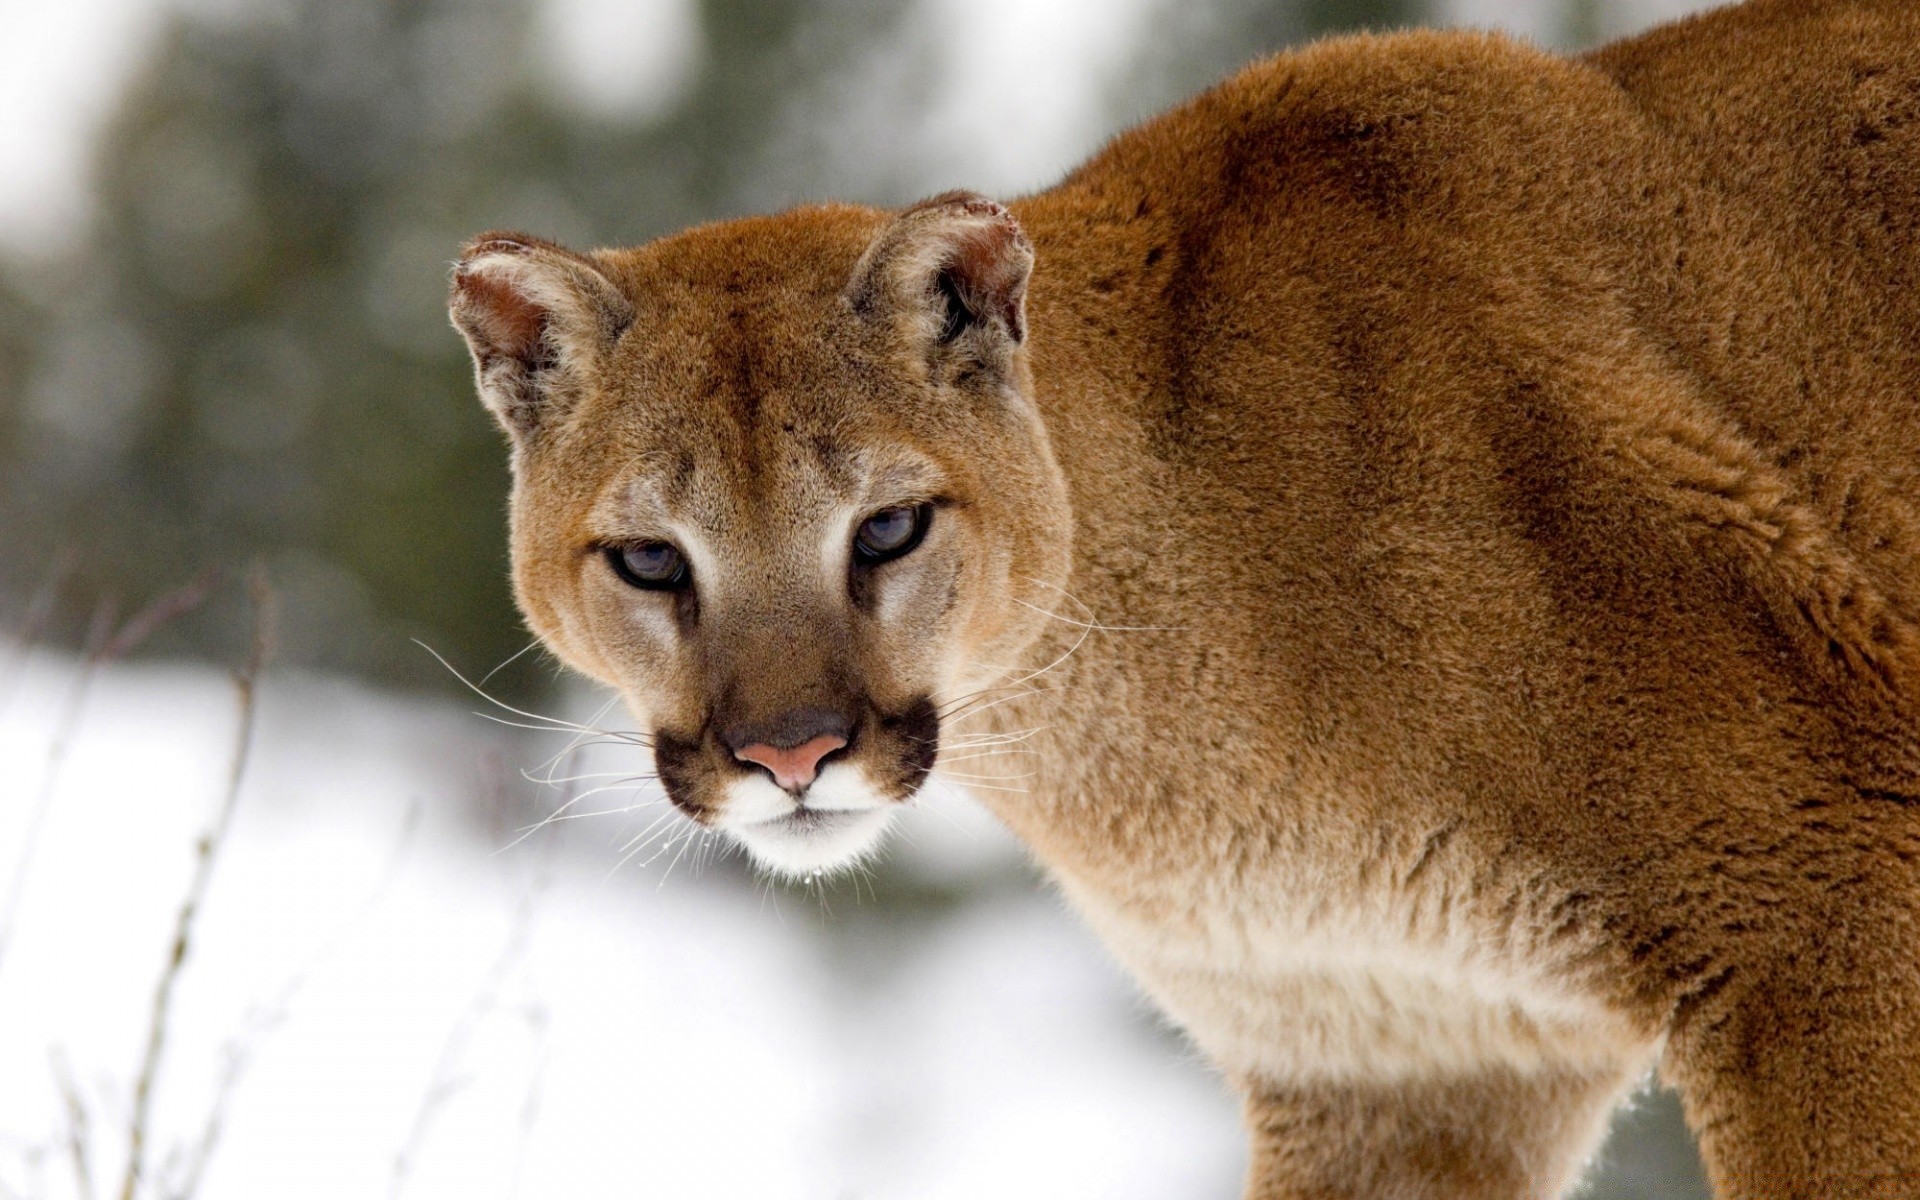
(444, 1084)
(99, 632)
(245, 680)
(539, 1025)
(269, 1016)
(104, 644)
(46, 594)
(77, 1139)
(163, 612)
(32, 1157)
(185, 1182)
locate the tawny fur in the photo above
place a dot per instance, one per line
(1475, 496)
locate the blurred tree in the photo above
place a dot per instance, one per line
(19, 332)
(1200, 44)
(251, 356)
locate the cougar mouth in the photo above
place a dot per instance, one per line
(830, 823)
(806, 840)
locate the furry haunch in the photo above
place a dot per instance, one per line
(1432, 526)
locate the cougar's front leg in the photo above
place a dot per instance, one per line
(1801, 1073)
(1499, 1135)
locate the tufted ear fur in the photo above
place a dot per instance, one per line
(534, 315)
(951, 272)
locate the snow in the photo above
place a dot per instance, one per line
(422, 1012)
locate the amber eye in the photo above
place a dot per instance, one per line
(656, 566)
(890, 533)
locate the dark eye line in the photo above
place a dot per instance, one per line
(866, 556)
(598, 546)
(929, 501)
(617, 554)
(618, 559)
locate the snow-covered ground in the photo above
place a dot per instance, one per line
(416, 1008)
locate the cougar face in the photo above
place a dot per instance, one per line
(787, 515)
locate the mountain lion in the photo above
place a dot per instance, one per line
(1436, 524)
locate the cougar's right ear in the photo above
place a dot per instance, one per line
(951, 274)
(535, 316)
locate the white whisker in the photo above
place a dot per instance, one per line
(989, 707)
(693, 835)
(646, 835)
(557, 780)
(947, 759)
(477, 690)
(993, 739)
(1092, 621)
(970, 778)
(971, 785)
(596, 812)
(644, 839)
(509, 661)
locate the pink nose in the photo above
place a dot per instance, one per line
(792, 768)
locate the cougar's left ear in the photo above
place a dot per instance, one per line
(536, 316)
(951, 272)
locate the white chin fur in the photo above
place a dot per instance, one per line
(842, 822)
(806, 843)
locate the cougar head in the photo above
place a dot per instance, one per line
(782, 483)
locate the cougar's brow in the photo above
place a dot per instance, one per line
(647, 493)
(903, 481)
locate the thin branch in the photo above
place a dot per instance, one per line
(77, 1126)
(33, 1160)
(443, 1085)
(104, 644)
(206, 852)
(161, 613)
(266, 1018)
(540, 1026)
(99, 631)
(40, 608)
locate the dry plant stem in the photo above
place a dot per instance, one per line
(77, 1141)
(34, 1161)
(163, 612)
(268, 1017)
(39, 611)
(193, 1161)
(540, 1025)
(104, 644)
(443, 1084)
(98, 634)
(206, 852)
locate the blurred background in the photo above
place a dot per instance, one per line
(225, 231)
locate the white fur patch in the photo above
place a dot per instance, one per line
(1277, 988)
(841, 821)
(754, 798)
(842, 787)
(533, 279)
